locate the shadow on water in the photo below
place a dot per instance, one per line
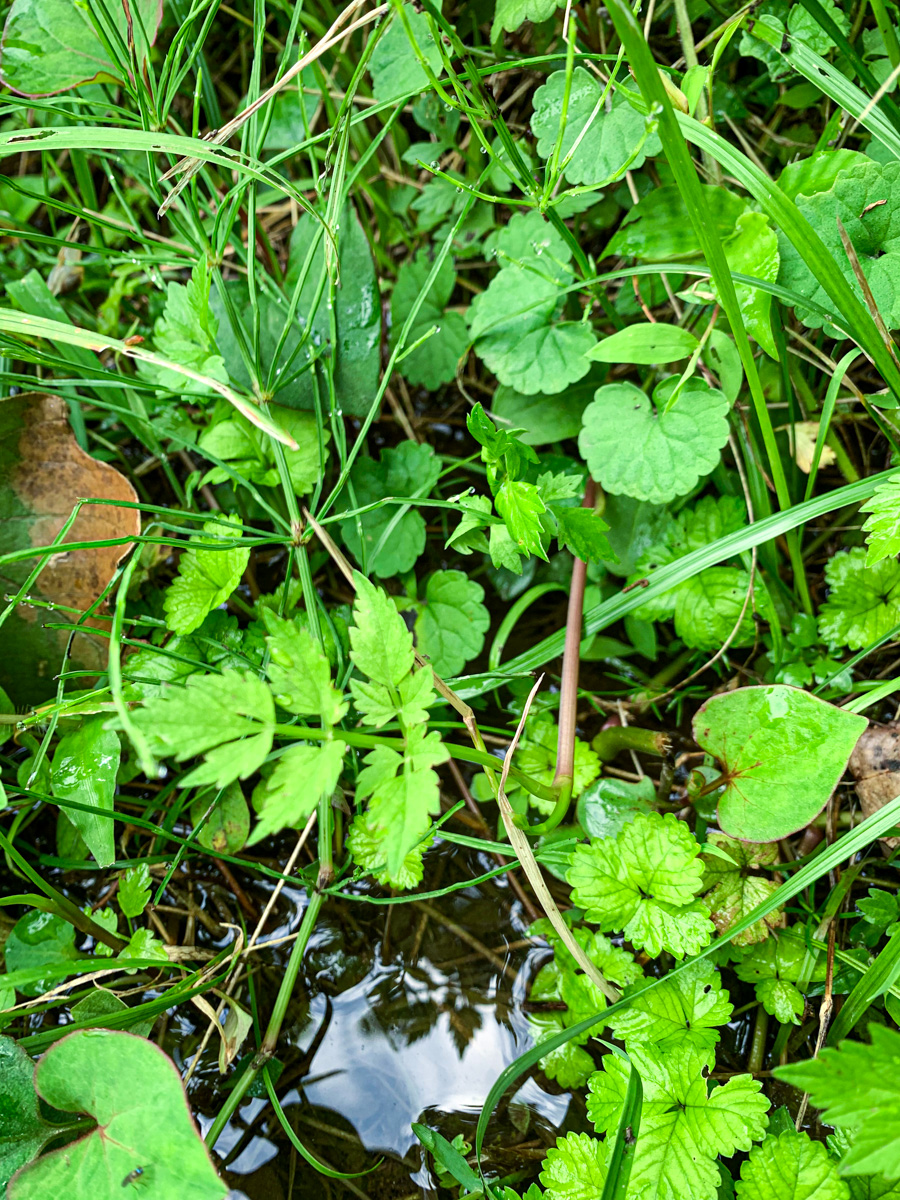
(402, 1013)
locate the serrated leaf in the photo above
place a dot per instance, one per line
(857, 1087)
(682, 1011)
(394, 65)
(403, 793)
(206, 578)
(762, 736)
(302, 775)
(733, 890)
(451, 626)
(863, 601)
(377, 704)
(644, 883)
(575, 1168)
(84, 770)
(134, 890)
(251, 452)
(381, 645)
(790, 1167)
(616, 138)
(536, 756)
(520, 505)
(299, 671)
(774, 966)
(635, 447)
(583, 531)
(710, 604)
(186, 334)
(409, 469)
(367, 846)
(647, 342)
(436, 360)
(882, 527)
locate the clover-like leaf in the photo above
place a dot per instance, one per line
(639, 448)
(134, 1093)
(644, 882)
(762, 735)
(617, 137)
(863, 601)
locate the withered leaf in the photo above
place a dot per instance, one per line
(875, 765)
(43, 472)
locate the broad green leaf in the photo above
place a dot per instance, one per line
(39, 940)
(227, 827)
(575, 1168)
(510, 14)
(721, 356)
(734, 889)
(709, 606)
(617, 135)
(84, 770)
(206, 717)
(251, 453)
(543, 419)
(659, 225)
(451, 626)
(410, 469)
(636, 447)
(684, 1125)
(367, 847)
(790, 1167)
(50, 46)
(206, 577)
(527, 238)
(25, 1130)
(762, 736)
(817, 172)
(775, 965)
(434, 362)
(606, 807)
(134, 1093)
(863, 601)
(682, 1012)
(536, 756)
(644, 883)
(299, 672)
(382, 646)
(186, 334)
(864, 197)
(649, 342)
(857, 1087)
(134, 890)
(143, 944)
(882, 527)
(394, 65)
(753, 250)
(302, 775)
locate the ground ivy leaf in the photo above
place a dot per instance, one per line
(302, 775)
(134, 890)
(134, 1093)
(857, 197)
(762, 736)
(206, 578)
(186, 334)
(394, 65)
(616, 139)
(790, 1167)
(299, 671)
(863, 601)
(575, 1168)
(434, 362)
(681, 1011)
(84, 770)
(381, 645)
(409, 469)
(367, 847)
(520, 505)
(684, 1126)
(451, 626)
(528, 238)
(710, 604)
(543, 419)
(857, 1087)
(510, 14)
(733, 891)
(633, 446)
(882, 527)
(644, 882)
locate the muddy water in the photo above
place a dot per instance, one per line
(395, 1019)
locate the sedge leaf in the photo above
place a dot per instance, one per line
(302, 775)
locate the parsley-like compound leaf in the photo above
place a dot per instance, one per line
(452, 623)
(206, 578)
(790, 1167)
(684, 1126)
(435, 361)
(299, 671)
(521, 507)
(863, 601)
(857, 1087)
(134, 890)
(367, 847)
(409, 702)
(858, 197)
(644, 882)
(882, 527)
(536, 756)
(186, 334)
(617, 137)
(575, 1168)
(635, 447)
(584, 532)
(733, 890)
(302, 774)
(775, 966)
(381, 645)
(681, 1011)
(393, 539)
(229, 718)
(394, 65)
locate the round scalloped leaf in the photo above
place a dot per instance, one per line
(633, 447)
(134, 1093)
(782, 751)
(791, 1167)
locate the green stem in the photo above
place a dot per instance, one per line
(758, 1045)
(610, 742)
(887, 31)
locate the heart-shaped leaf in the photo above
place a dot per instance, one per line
(133, 1091)
(25, 1131)
(782, 751)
